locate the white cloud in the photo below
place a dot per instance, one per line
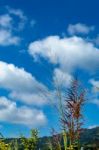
(10, 112)
(79, 29)
(6, 31)
(22, 85)
(95, 84)
(14, 78)
(93, 126)
(19, 13)
(62, 78)
(16, 12)
(9, 27)
(7, 38)
(68, 53)
(5, 21)
(94, 95)
(35, 98)
(96, 102)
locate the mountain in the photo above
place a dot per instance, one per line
(89, 137)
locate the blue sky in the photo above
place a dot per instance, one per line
(41, 42)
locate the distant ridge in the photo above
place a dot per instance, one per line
(89, 137)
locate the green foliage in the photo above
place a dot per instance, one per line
(31, 142)
(4, 146)
(14, 145)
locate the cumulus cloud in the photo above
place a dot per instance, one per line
(10, 112)
(69, 53)
(79, 29)
(22, 85)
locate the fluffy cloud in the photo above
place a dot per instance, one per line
(38, 98)
(22, 85)
(10, 112)
(68, 53)
(62, 78)
(79, 29)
